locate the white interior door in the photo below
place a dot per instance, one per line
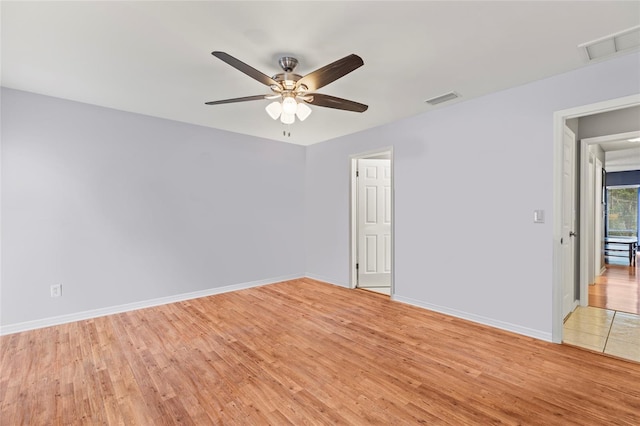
(374, 222)
(568, 221)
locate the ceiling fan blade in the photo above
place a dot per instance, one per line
(244, 99)
(330, 73)
(336, 103)
(247, 69)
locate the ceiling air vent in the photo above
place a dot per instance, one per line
(442, 98)
(618, 42)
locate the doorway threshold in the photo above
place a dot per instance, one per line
(380, 290)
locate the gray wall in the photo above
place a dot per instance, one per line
(466, 244)
(573, 124)
(121, 208)
(609, 123)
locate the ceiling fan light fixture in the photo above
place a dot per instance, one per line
(292, 92)
(289, 105)
(287, 118)
(302, 111)
(274, 109)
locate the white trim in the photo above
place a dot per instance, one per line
(598, 215)
(95, 313)
(635, 185)
(502, 325)
(559, 119)
(614, 137)
(353, 224)
(585, 247)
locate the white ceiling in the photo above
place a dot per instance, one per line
(619, 145)
(154, 58)
(622, 160)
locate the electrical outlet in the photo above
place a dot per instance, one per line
(56, 290)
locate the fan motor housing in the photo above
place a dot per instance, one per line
(285, 77)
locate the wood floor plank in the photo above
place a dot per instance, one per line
(618, 288)
(304, 352)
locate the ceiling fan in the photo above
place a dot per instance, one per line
(291, 92)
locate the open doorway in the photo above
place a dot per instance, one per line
(613, 284)
(561, 119)
(372, 222)
(609, 184)
(607, 210)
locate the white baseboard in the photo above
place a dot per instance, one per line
(79, 316)
(63, 319)
(537, 334)
(326, 280)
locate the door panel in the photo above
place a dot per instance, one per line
(387, 205)
(568, 222)
(371, 258)
(374, 223)
(371, 194)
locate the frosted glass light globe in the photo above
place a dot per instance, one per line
(303, 111)
(289, 106)
(287, 118)
(274, 109)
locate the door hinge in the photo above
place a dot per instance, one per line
(357, 266)
(357, 173)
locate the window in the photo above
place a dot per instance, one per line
(622, 211)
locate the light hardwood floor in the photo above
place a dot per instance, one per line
(617, 289)
(304, 352)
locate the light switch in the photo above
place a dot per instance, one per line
(538, 216)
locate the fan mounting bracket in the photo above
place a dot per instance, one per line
(288, 63)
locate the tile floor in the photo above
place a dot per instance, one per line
(604, 330)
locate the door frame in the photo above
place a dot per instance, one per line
(598, 244)
(559, 121)
(353, 214)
